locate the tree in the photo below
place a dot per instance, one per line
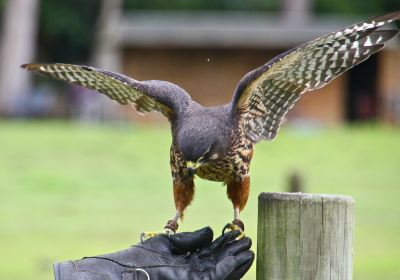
(16, 47)
(106, 56)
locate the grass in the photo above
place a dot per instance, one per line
(70, 190)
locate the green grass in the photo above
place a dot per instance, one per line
(69, 190)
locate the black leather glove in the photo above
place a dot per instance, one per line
(190, 255)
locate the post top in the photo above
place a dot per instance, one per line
(305, 196)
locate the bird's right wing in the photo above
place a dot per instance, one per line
(266, 94)
(145, 96)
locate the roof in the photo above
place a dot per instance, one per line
(221, 30)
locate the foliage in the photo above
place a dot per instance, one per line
(321, 6)
(71, 190)
(2, 11)
(203, 4)
(356, 6)
(66, 30)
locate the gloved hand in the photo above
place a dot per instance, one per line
(190, 255)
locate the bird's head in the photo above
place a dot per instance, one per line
(196, 160)
(199, 148)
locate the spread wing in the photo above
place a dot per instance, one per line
(265, 95)
(145, 96)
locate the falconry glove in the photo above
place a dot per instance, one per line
(190, 255)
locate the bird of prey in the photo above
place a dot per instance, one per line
(216, 143)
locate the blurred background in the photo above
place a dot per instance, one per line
(80, 175)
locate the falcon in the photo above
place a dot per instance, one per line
(216, 143)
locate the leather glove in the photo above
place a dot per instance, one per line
(190, 255)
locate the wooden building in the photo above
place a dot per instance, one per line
(208, 53)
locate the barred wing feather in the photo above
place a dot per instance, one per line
(145, 96)
(265, 95)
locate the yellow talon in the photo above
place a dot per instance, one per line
(150, 234)
(240, 236)
(234, 227)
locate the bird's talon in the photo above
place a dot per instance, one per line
(235, 225)
(171, 226)
(240, 236)
(142, 237)
(169, 232)
(147, 235)
(227, 226)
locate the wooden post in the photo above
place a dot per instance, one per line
(304, 236)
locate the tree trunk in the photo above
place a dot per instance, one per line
(106, 56)
(17, 46)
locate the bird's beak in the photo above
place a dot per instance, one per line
(192, 167)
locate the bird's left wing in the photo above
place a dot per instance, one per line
(145, 96)
(265, 95)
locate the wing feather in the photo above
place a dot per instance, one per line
(265, 95)
(146, 96)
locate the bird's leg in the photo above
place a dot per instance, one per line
(236, 221)
(172, 225)
(169, 229)
(238, 193)
(183, 195)
(236, 224)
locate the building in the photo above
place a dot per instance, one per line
(208, 53)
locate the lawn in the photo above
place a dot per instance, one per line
(70, 190)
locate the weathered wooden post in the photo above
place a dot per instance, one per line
(304, 236)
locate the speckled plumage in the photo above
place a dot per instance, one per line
(217, 143)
